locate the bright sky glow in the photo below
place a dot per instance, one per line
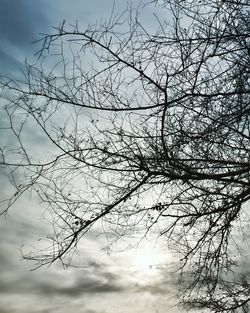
(147, 258)
(147, 264)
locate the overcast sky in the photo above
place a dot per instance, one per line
(101, 283)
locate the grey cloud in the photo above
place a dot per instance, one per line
(70, 283)
(89, 311)
(153, 289)
(4, 311)
(168, 283)
(18, 231)
(93, 280)
(20, 20)
(8, 63)
(79, 289)
(20, 23)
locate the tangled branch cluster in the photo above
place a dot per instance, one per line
(144, 128)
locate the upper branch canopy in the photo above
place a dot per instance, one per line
(142, 128)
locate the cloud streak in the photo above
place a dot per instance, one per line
(20, 23)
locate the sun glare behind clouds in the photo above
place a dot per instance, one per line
(147, 263)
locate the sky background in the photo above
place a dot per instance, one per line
(137, 280)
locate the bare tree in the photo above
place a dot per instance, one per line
(144, 129)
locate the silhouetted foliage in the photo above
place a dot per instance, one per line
(145, 129)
